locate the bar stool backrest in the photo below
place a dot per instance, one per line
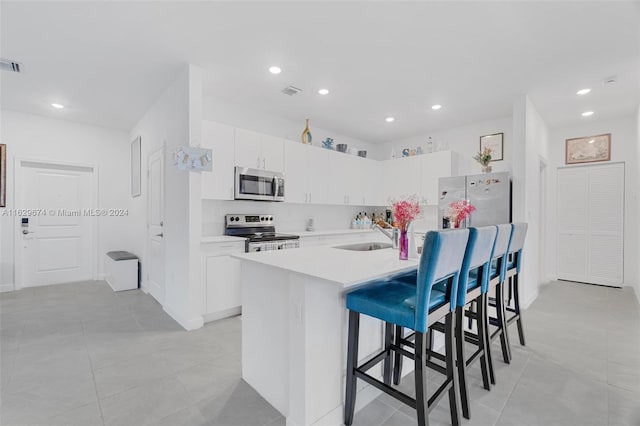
(501, 249)
(517, 243)
(477, 258)
(441, 259)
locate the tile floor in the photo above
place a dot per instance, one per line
(79, 354)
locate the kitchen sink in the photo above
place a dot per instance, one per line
(365, 246)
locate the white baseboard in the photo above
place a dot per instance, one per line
(186, 323)
(6, 287)
(214, 316)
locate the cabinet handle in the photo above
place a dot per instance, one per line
(309, 197)
(305, 197)
(264, 164)
(258, 162)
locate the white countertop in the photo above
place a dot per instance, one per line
(324, 232)
(221, 239)
(344, 267)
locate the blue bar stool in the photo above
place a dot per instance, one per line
(473, 287)
(414, 306)
(496, 287)
(513, 275)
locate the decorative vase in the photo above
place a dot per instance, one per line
(457, 223)
(486, 169)
(306, 134)
(403, 245)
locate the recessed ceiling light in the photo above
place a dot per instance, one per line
(587, 113)
(389, 119)
(436, 106)
(591, 141)
(275, 70)
(583, 91)
(57, 106)
(323, 91)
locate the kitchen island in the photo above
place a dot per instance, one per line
(294, 326)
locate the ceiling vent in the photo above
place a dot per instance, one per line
(9, 65)
(291, 90)
(610, 80)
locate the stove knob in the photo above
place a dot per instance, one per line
(262, 219)
(232, 219)
(237, 218)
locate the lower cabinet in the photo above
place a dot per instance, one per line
(222, 284)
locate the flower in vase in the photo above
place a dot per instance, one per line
(405, 211)
(484, 157)
(460, 210)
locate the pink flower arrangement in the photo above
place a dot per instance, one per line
(460, 210)
(404, 211)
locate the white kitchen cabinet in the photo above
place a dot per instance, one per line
(402, 177)
(432, 168)
(338, 178)
(222, 280)
(306, 173)
(218, 183)
(372, 184)
(258, 151)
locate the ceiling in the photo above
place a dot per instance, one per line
(108, 61)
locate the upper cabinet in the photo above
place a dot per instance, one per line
(305, 173)
(218, 184)
(258, 151)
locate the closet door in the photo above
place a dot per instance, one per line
(591, 224)
(606, 224)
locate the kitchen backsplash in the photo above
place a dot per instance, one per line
(293, 217)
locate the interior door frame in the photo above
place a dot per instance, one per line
(17, 190)
(161, 152)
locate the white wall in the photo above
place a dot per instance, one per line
(624, 147)
(173, 120)
(258, 121)
(531, 138)
(464, 141)
(636, 193)
(39, 138)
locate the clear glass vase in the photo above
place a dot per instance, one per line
(403, 245)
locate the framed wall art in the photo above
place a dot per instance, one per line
(588, 149)
(495, 142)
(136, 166)
(3, 175)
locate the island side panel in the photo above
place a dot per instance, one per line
(325, 320)
(265, 332)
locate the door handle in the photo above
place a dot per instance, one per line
(25, 232)
(161, 235)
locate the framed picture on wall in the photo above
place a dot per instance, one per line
(495, 142)
(588, 149)
(3, 175)
(136, 166)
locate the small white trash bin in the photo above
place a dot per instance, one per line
(121, 270)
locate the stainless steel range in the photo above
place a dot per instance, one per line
(260, 232)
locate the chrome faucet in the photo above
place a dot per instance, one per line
(393, 235)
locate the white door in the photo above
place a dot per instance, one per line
(155, 274)
(591, 224)
(55, 244)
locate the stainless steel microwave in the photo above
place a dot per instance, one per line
(261, 185)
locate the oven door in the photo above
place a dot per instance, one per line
(262, 185)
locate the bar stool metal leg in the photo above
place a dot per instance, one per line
(352, 359)
(422, 408)
(461, 362)
(482, 339)
(501, 315)
(492, 377)
(516, 295)
(387, 363)
(452, 372)
(397, 361)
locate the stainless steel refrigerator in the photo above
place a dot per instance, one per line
(489, 193)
